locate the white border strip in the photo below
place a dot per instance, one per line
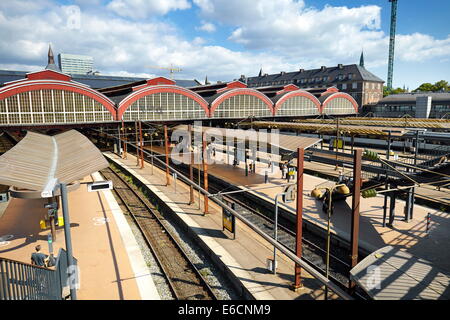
(255, 289)
(144, 280)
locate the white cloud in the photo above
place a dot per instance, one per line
(306, 35)
(284, 36)
(141, 9)
(207, 26)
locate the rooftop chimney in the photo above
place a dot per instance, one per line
(323, 68)
(340, 66)
(301, 70)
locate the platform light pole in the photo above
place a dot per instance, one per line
(356, 198)
(67, 235)
(275, 232)
(299, 213)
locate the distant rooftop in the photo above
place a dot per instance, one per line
(332, 73)
(94, 81)
(411, 97)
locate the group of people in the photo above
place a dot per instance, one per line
(287, 172)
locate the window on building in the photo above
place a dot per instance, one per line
(355, 85)
(344, 86)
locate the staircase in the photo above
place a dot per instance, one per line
(23, 281)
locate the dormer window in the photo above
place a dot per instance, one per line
(341, 77)
(350, 76)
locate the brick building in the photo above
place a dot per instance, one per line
(365, 87)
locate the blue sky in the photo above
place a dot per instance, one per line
(226, 38)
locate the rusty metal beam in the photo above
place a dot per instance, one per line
(299, 221)
(166, 145)
(142, 145)
(137, 142)
(355, 209)
(191, 163)
(205, 172)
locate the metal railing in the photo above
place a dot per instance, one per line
(23, 281)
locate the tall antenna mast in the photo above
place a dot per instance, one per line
(392, 43)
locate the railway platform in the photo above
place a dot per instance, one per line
(410, 236)
(245, 256)
(111, 266)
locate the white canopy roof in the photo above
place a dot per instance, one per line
(38, 160)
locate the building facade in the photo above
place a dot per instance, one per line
(362, 85)
(75, 64)
(417, 105)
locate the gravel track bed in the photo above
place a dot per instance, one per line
(220, 285)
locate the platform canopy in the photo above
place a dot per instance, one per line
(39, 160)
(392, 274)
(285, 142)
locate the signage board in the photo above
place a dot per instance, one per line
(99, 185)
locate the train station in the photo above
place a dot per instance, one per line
(317, 184)
(153, 191)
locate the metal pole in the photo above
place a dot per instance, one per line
(413, 189)
(355, 209)
(68, 238)
(205, 172)
(124, 155)
(191, 169)
(166, 143)
(275, 233)
(142, 145)
(151, 150)
(137, 143)
(299, 221)
(388, 155)
(385, 203)
(330, 202)
(337, 142)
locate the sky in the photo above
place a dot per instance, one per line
(223, 39)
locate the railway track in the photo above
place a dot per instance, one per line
(313, 245)
(184, 279)
(311, 252)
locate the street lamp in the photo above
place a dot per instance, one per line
(317, 194)
(288, 196)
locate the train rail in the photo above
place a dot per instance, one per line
(312, 244)
(184, 279)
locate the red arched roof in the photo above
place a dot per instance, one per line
(297, 93)
(136, 95)
(340, 95)
(241, 91)
(25, 86)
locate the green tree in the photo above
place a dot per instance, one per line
(442, 86)
(426, 87)
(438, 86)
(387, 92)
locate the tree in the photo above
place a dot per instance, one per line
(438, 86)
(387, 92)
(442, 86)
